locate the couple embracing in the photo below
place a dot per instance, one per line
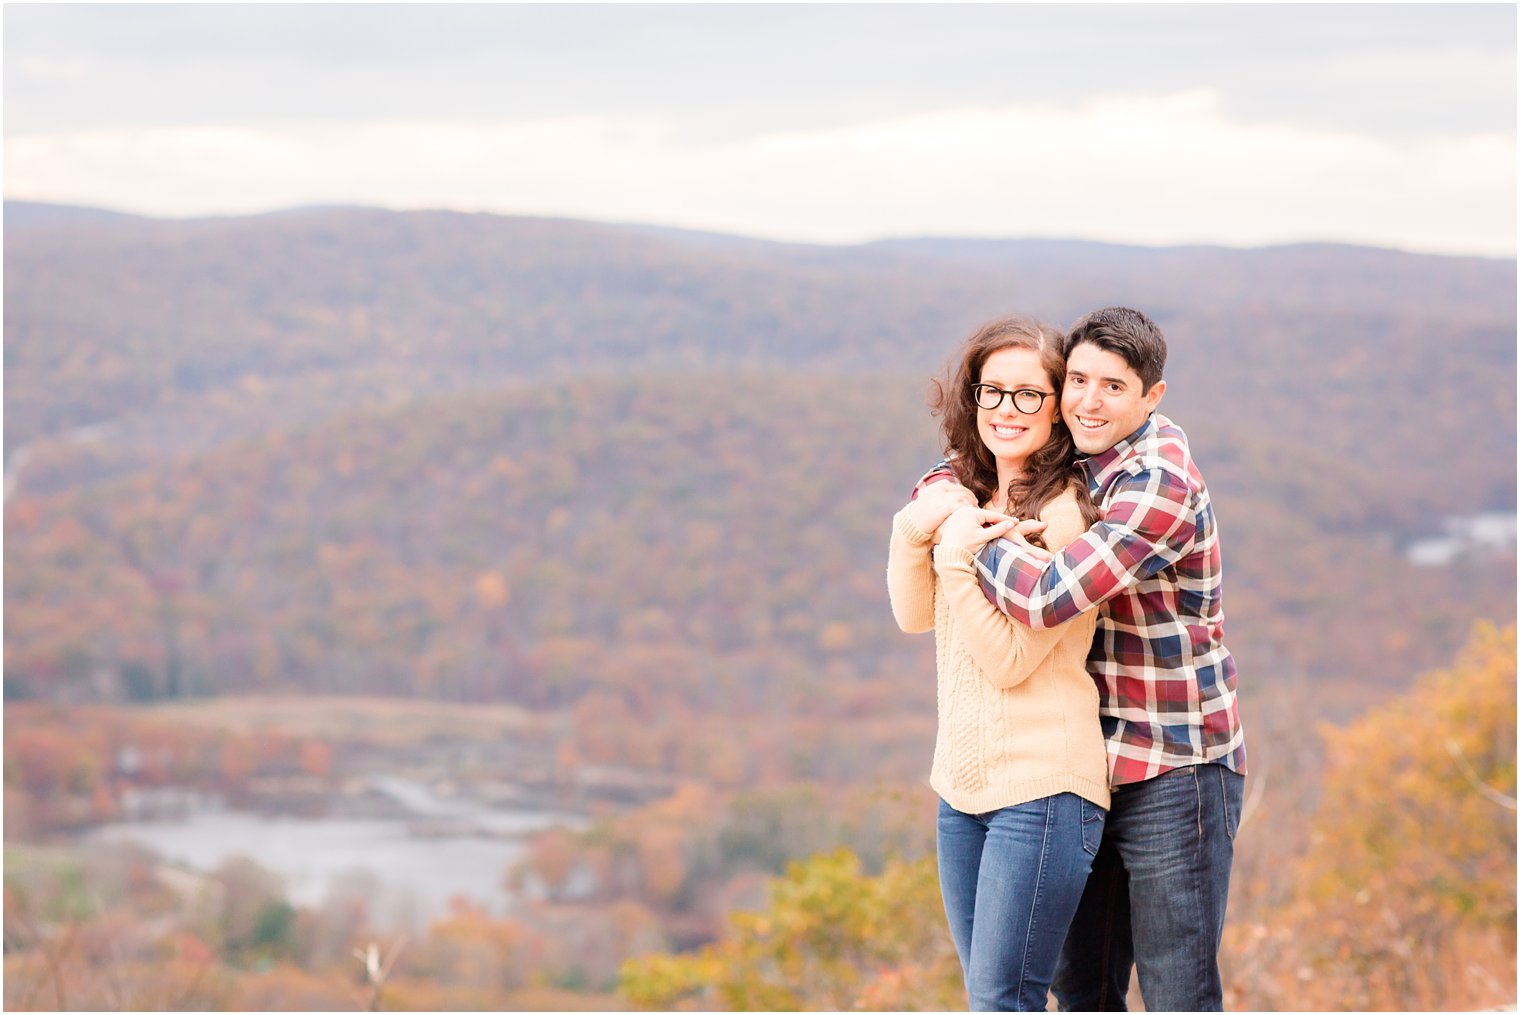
(1089, 758)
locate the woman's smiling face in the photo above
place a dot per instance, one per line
(1012, 436)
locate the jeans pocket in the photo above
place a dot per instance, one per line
(1231, 795)
(1093, 819)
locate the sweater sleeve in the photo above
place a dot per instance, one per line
(910, 575)
(1006, 651)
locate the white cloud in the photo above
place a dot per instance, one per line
(1164, 169)
(50, 70)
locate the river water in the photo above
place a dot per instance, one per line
(1482, 535)
(406, 868)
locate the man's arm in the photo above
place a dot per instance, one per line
(1148, 524)
(1006, 651)
(939, 474)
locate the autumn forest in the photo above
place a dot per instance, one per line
(566, 542)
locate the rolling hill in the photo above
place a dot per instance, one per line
(484, 458)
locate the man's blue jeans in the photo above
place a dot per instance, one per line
(1011, 879)
(1156, 898)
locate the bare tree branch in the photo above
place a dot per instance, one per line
(1483, 788)
(52, 955)
(1253, 799)
(377, 971)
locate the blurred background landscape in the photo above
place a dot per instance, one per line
(504, 592)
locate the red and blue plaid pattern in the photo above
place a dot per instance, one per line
(1165, 679)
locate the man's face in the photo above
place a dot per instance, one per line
(1103, 401)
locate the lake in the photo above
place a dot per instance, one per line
(411, 865)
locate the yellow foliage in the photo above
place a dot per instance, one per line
(1406, 895)
(831, 938)
(1413, 806)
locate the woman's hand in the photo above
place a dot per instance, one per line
(970, 527)
(973, 527)
(935, 503)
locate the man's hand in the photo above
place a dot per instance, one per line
(973, 527)
(935, 503)
(1028, 527)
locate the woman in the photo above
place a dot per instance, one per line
(1019, 760)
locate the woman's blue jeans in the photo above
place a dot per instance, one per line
(1011, 880)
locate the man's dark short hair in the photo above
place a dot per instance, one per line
(1127, 333)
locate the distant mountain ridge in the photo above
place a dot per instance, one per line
(37, 214)
(23, 212)
(136, 323)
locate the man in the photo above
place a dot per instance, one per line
(1156, 897)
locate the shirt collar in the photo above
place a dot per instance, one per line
(1104, 464)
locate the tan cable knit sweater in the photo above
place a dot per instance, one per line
(1018, 714)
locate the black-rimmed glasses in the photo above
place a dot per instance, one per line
(1026, 400)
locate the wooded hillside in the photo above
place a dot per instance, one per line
(471, 456)
(273, 481)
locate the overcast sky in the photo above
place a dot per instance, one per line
(1390, 125)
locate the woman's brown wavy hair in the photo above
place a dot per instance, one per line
(1052, 468)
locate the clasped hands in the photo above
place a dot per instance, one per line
(949, 512)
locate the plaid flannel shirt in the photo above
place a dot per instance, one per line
(1166, 682)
